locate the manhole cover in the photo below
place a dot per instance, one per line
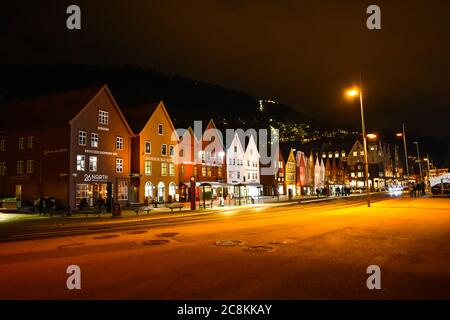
(262, 248)
(155, 242)
(168, 234)
(137, 232)
(107, 236)
(71, 245)
(279, 242)
(229, 243)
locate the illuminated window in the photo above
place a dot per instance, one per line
(219, 172)
(94, 140)
(30, 166)
(119, 165)
(119, 143)
(20, 167)
(80, 162)
(93, 164)
(31, 142)
(21, 143)
(122, 190)
(103, 117)
(355, 153)
(163, 168)
(148, 168)
(361, 153)
(2, 145)
(2, 168)
(204, 171)
(172, 169)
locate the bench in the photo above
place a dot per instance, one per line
(142, 209)
(175, 206)
(87, 212)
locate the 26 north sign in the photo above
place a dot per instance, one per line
(95, 178)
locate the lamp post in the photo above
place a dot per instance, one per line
(352, 93)
(403, 135)
(420, 162)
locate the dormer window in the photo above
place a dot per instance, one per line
(103, 117)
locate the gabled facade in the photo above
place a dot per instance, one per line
(251, 169)
(290, 173)
(73, 146)
(154, 173)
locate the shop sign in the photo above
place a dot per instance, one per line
(95, 178)
(106, 153)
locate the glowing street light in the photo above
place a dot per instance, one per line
(372, 136)
(353, 93)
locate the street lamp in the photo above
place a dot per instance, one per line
(403, 135)
(420, 162)
(353, 93)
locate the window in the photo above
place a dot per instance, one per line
(360, 174)
(2, 168)
(21, 143)
(93, 164)
(119, 165)
(235, 148)
(183, 170)
(31, 142)
(171, 151)
(343, 153)
(81, 138)
(20, 167)
(30, 166)
(238, 175)
(248, 163)
(355, 153)
(172, 169)
(148, 168)
(164, 149)
(119, 143)
(361, 153)
(248, 176)
(94, 140)
(148, 147)
(2, 145)
(163, 168)
(219, 172)
(208, 171)
(204, 171)
(160, 129)
(103, 117)
(80, 162)
(195, 170)
(122, 190)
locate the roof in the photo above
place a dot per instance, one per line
(138, 116)
(45, 112)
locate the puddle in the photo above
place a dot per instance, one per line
(229, 243)
(155, 242)
(168, 234)
(262, 248)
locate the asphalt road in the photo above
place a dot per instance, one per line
(317, 251)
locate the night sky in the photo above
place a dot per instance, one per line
(303, 53)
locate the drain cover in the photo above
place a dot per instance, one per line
(279, 242)
(229, 243)
(168, 234)
(107, 236)
(71, 245)
(155, 242)
(262, 248)
(137, 232)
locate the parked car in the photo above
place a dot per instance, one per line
(436, 189)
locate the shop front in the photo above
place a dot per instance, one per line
(92, 190)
